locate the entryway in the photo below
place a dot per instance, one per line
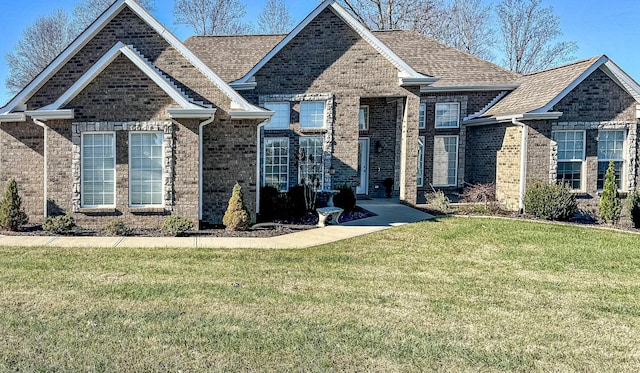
(363, 166)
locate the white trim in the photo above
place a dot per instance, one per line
(435, 120)
(509, 118)
(363, 164)
(324, 114)
(583, 163)
(457, 137)
(321, 138)
(630, 85)
(487, 107)
(422, 124)
(45, 176)
(144, 66)
(273, 126)
(263, 181)
(238, 102)
(13, 117)
(263, 114)
(157, 205)
(115, 176)
(406, 74)
(623, 172)
(191, 113)
(46, 114)
(201, 165)
(365, 125)
(421, 161)
(572, 85)
(470, 88)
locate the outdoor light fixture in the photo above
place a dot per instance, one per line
(379, 147)
(332, 171)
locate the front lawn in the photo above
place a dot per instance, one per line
(457, 294)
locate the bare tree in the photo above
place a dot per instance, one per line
(394, 14)
(40, 43)
(275, 18)
(528, 33)
(212, 17)
(87, 11)
(466, 25)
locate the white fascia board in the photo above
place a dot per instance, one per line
(191, 113)
(572, 85)
(508, 118)
(630, 85)
(263, 114)
(13, 117)
(43, 114)
(239, 86)
(96, 27)
(417, 81)
(101, 65)
(471, 88)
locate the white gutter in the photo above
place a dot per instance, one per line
(201, 162)
(13, 117)
(523, 162)
(45, 177)
(258, 165)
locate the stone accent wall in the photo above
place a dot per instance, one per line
(508, 172)
(22, 158)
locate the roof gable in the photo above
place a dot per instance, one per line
(406, 74)
(239, 104)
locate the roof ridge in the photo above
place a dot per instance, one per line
(573, 63)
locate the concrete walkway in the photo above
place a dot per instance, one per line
(389, 214)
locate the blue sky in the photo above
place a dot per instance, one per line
(599, 27)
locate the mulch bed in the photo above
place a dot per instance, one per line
(261, 230)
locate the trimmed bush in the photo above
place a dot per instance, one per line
(610, 206)
(345, 199)
(176, 226)
(237, 217)
(438, 201)
(550, 201)
(61, 224)
(633, 205)
(117, 227)
(12, 215)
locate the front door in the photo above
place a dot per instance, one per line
(363, 166)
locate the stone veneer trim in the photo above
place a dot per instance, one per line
(165, 127)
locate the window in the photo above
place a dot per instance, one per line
(420, 176)
(310, 158)
(312, 114)
(422, 117)
(447, 115)
(145, 169)
(610, 148)
(98, 169)
(570, 157)
(445, 160)
(280, 120)
(276, 163)
(363, 118)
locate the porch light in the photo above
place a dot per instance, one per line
(332, 171)
(379, 147)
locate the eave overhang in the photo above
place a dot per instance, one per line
(508, 118)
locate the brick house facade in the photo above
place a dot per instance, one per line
(131, 123)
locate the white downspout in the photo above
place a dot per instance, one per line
(523, 163)
(258, 164)
(45, 177)
(201, 163)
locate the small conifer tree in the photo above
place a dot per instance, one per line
(12, 215)
(237, 217)
(610, 205)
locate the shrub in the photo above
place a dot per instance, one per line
(61, 224)
(12, 215)
(610, 206)
(480, 193)
(175, 226)
(345, 198)
(633, 205)
(117, 227)
(438, 201)
(273, 204)
(296, 204)
(550, 201)
(237, 217)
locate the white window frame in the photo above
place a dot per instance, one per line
(363, 125)
(455, 183)
(113, 146)
(573, 160)
(321, 138)
(420, 173)
(264, 165)
(279, 108)
(151, 205)
(422, 116)
(440, 126)
(304, 104)
(623, 160)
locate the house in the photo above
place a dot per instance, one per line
(129, 122)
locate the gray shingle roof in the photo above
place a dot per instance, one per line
(452, 66)
(231, 57)
(536, 90)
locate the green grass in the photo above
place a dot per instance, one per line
(447, 295)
